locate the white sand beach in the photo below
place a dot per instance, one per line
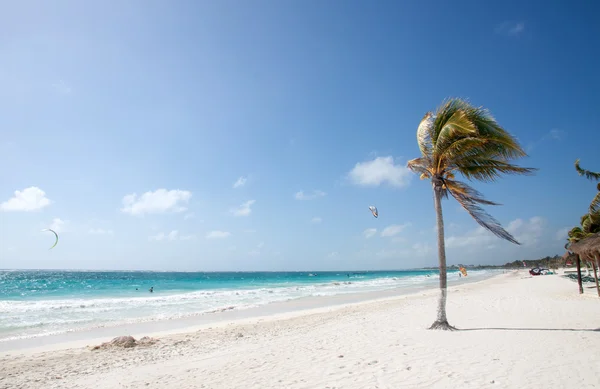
(516, 331)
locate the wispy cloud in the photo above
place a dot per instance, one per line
(58, 225)
(171, 236)
(369, 232)
(394, 229)
(309, 196)
(316, 220)
(240, 182)
(159, 201)
(218, 234)
(244, 209)
(554, 135)
(510, 28)
(527, 232)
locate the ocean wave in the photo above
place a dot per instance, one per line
(30, 318)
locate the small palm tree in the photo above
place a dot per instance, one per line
(460, 138)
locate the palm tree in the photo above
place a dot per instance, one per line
(590, 223)
(595, 204)
(460, 138)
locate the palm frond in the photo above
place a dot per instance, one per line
(575, 232)
(424, 135)
(586, 223)
(465, 190)
(420, 165)
(444, 113)
(595, 204)
(587, 173)
(489, 169)
(503, 145)
(470, 199)
(457, 127)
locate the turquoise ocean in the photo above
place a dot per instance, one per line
(43, 302)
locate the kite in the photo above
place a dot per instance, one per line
(55, 234)
(373, 210)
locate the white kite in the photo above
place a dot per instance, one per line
(373, 210)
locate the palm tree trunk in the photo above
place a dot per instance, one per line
(578, 262)
(441, 322)
(596, 276)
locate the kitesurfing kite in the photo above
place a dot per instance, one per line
(373, 210)
(55, 234)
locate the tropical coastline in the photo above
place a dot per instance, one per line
(383, 342)
(54, 304)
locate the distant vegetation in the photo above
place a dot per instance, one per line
(547, 263)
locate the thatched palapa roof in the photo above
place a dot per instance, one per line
(588, 248)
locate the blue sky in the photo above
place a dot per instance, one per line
(126, 127)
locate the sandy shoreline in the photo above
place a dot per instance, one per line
(516, 332)
(161, 327)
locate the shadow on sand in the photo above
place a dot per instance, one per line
(529, 329)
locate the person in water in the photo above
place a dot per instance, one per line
(151, 289)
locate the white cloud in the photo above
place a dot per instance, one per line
(475, 238)
(27, 200)
(394, 229)
(309, 196)
(369, 232)
(159, 201)
(100, 231)
(562, 234)
(316, 220)
(379, 171)
(57, 225)
(510, 28)
(333, 254)
(260, 245)
(218, 234)
(244, 209)
(189, 216)
(240, 182)
(526, 232)
(171, 236)
(254, 253)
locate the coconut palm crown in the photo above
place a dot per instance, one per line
(461, 138)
